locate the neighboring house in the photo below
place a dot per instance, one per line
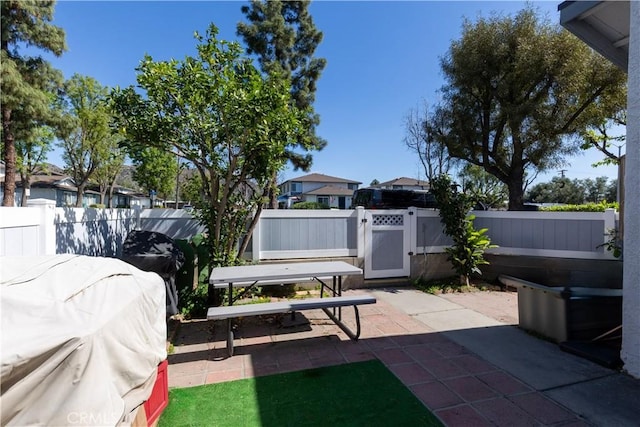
(612, 28)
(62, 189)
(404, 183)
(316, 187)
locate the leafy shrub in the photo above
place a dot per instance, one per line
(309, 205)
(588, 207)
(469, 244)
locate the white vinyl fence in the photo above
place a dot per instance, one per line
(42, 228)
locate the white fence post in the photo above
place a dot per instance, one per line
(610, 228)
(255, 241)
(413, 230)
(360, 226)
(47, 232)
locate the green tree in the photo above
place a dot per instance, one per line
(86, 135)
(611, 192)
(31, 156)
(421, 127)
(155, 169)
(595, 189)
(573, 192)
(109, 168)
(558, 190)
(224, 117)
(284, 38)
(518, 91)
(27, 81)
(482, 186)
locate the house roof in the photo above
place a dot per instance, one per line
(318, 177)
(603, 25)
(330, 190)
(48, 180)
(404, 181)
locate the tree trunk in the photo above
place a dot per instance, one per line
(110, 201)
(9, 159)
(515, 193)
(273, 194)
(80, 195)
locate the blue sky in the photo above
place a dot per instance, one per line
(382, 61)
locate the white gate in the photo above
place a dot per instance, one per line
(387, 243)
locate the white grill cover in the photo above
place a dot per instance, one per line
(81, 339)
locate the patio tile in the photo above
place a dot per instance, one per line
(410, 339)
(376, 319)
(226, 364)
(435, 395)
(295, 365)
(442, 368)
(502, 412)
(392, 356)
(187, 368)
(359, 356)
(190, 380)
(321, 351)
(542, 408)
(411, 373)
(223, 376)
(470, 388)
(463, 415)
(473, 364)
(422, 353)
(190, 348)
(262, 370)
(503, 383)
(379, 343)
(391, 328)
(449, 348)
(249, 341)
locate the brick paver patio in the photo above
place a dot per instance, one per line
(457, 385)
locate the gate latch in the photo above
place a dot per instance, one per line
(410, 253)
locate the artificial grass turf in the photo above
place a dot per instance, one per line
(355, 394)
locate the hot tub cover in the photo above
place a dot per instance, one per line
(81, 339)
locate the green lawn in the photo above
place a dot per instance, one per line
(356, 394)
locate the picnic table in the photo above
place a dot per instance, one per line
(328, 273)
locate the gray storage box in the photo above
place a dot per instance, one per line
(566, 313)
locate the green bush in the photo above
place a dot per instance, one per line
(309, 205)
(193, 277)
(588, 207)
(467, 252)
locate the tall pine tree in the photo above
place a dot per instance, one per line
(27, 81)
(284, 38)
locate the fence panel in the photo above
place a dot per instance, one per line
(283, 234)
(93, 232)
(177, 224)
(552, 234)
(20, 230)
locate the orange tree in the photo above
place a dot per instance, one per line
(231, 122)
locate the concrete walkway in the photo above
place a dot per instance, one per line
(469, 366)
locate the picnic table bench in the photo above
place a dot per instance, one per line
(277, 274)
